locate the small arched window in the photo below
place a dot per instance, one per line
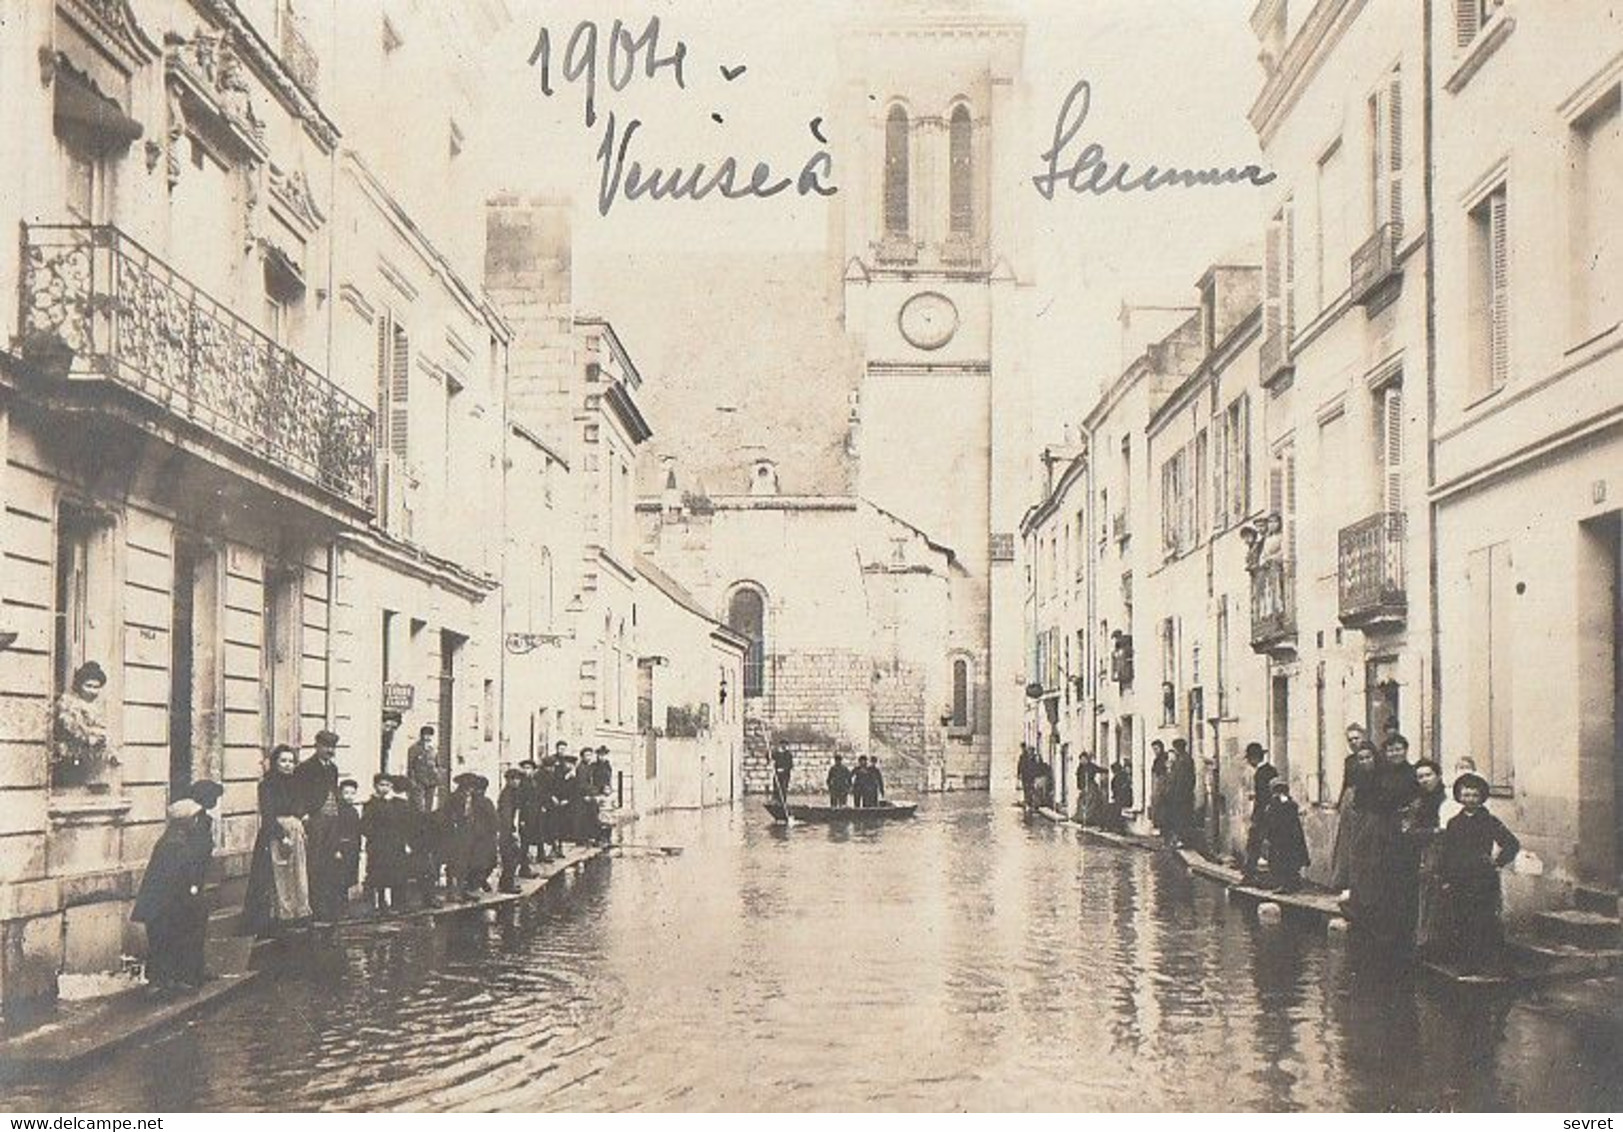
(896, 170)
(746, 616)
(960, 692)
(961, 137)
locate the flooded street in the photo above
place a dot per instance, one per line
(965, 960)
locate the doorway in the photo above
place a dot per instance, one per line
(450, 645)
(1600, 703)
(194, 694)
(1279, 723)
(1383, 700)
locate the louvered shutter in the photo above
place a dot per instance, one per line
(1220, 450)
(1499, 308)
(381, 425)
(400, 394)
(1288, 253)
(1270, 272)
(1467, 19)
(1394, 144)
(1290, 504)
(1391, 435)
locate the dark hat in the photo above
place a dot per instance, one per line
(526, 763)
(380, 779)
(467, 778)
(480, 783)
(602, 750)
(515, 772)
(88, 672)
(569, 758)
(1255, 749)
(325, 738)
(1470, 779)
(205, 792)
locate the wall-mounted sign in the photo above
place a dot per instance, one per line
(398, 697)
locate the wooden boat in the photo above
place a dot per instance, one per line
(883, 812)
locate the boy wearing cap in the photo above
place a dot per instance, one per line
(511, 829)
(1471, 850)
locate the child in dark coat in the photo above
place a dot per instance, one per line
(1470, 852)
(347, 838)
(1281, 840)
(386, 822)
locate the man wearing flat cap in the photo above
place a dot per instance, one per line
(316, 781)
(1262, 780)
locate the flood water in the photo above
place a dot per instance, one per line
(968, 959)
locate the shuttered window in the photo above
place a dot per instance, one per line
(1489, 298)
(394, 387)
(1597, 242)
(1389, 447)
(1488, 584)
(1386, 154)
(1470, 16)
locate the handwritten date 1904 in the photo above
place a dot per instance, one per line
(622, 56)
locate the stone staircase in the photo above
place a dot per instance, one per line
(1586, 938)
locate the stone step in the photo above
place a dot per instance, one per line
(1602, 900)
(1583, 929)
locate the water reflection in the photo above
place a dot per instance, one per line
(964, 960)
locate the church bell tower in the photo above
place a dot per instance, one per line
(936, 287)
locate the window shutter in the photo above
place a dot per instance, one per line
(1467, 19)
(1394, 138)
(400, 394)
(1379, 157)
(1392, 447)
(1270, 273)
(1220, 457)
(1276, 488)
(1290, 505)
(1245, 454)
(381, 425)
(1499, 309)
(1289, 254)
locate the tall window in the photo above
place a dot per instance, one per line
(1279, 276)
(960, 144)
(960, 693)
(1488, 255)
(1389, 447)
(280, 656)
(1385, 108)
(1330, 197)
(746, 616)
(896, 171)
(1597, 246)
(1489, 581)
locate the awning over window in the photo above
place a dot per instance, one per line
(88, 116)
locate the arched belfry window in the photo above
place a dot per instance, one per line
(896, 165)
(961, 154)
(746, 616)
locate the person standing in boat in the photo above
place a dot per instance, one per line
(839, 783)
(783, 768)
(876, 782)
(1262, 782)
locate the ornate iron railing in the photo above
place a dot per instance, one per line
(1273, 604)
(1370, 573)
(1375, 261)
(97, 305)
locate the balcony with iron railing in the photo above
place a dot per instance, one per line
(98, 308)
(1273, 608)
(1370, 572)
(1274, 355)
(1374, 269)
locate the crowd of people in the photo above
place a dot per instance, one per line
(419, 843)
(1416, 861)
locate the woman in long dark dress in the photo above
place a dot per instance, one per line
(278, 883)
(1384, 873)
(1420, 825)
(172, 901)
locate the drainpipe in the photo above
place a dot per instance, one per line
(1427, 193)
